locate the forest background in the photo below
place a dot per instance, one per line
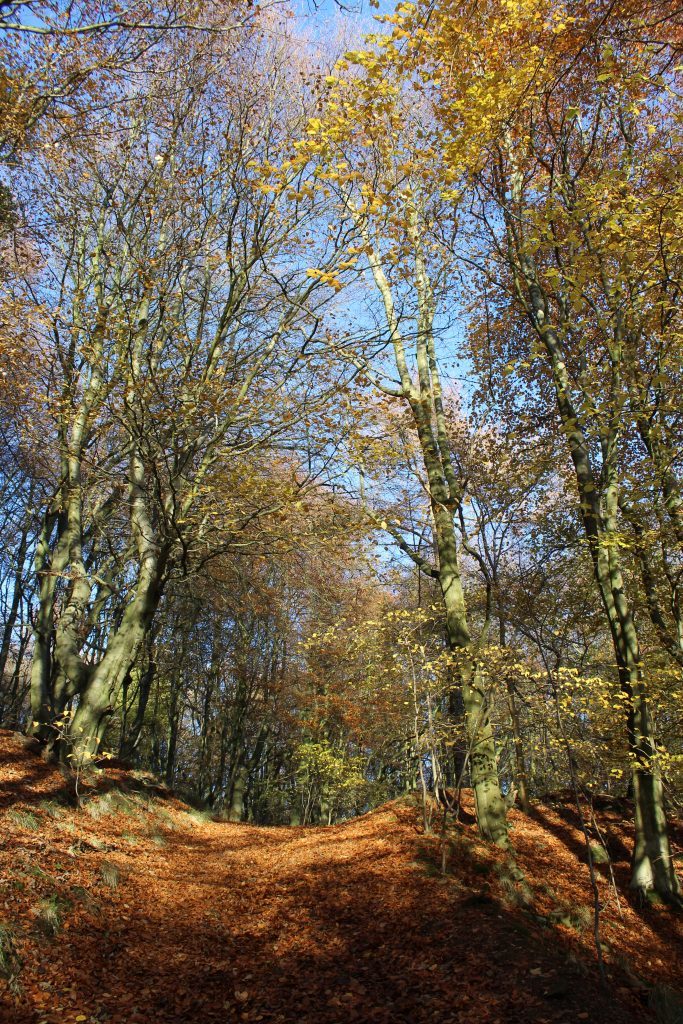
(340, 403)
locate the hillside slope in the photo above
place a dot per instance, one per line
(135, 910)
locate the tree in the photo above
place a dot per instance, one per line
(590, 304)
(177, 330)
(55, 57)
(370, 149)
(566, 179)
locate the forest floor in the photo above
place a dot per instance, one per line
(136, 909)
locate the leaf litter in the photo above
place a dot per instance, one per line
(352, 923)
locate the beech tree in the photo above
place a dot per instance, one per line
(592, 299)
(177, 335)
(56, 57)
(370, 151)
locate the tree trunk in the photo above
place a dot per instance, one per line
(239, 786)
(653, 866)
(48, 568)
(521, 778)
(424, 398)
(173, 726)
(489, 803)
(98, 700)
(17, 594)
(132, 738)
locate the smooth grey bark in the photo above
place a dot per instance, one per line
(61, 673)
(50, 563)
(520, 775)
(98, 701)
(490, 806)
(671, 642)
(173, 729)
(488, 564)
(237, 792)
(653, 866)
(131, 736)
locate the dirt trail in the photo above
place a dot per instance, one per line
(216, 922)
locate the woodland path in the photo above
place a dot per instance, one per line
(216, 922)
(232, 922)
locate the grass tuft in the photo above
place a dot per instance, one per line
(50, 914)
(36, 871)
(51, 808)
(599, 854)
(123, 804)
(516, 890)
(10, 961)
(200, 817)
(114, 802)
(109, 874)
(96, 843)
(24, 819)
(85, 899)
(165, 818)
(579, 918)
(98, 806)
(141, 801)
(65, 826)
